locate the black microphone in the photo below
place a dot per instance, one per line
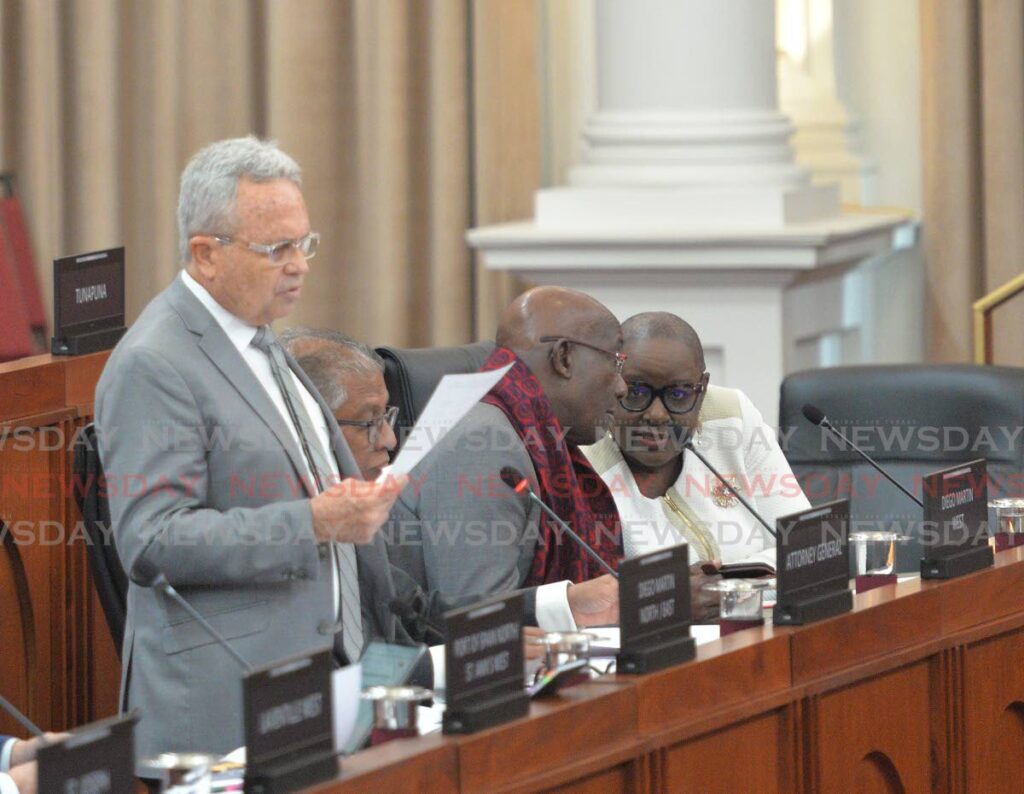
(30, 726)
(413, 609)
(146, 574)
(816, 417)
(728, 486)
(515, 480)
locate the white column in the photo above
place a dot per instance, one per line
(686, 96)
(686, 102)
(687, 197)
(827, 138)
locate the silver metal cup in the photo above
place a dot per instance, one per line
(394, 707)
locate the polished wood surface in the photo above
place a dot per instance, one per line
(58, 664)
(919, 688)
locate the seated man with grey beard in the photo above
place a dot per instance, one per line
(350, 377)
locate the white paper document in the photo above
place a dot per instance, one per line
(454, 396)
(608, 636)
(346, 688)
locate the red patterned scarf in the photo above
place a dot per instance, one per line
(567, 483)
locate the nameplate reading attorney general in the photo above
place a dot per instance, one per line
(289, 725)
(954, 536)
(88, 302)
(99, 758)
(484, 665)
(654, 611)
(812, 564)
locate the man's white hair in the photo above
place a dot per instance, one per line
(209, 184)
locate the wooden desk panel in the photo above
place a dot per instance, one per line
(883, 621)
(755, 755)
(983, 596)
(31, 386)
(993, 712)
(872, 736)
(586, 732)
(426, 764)
(731, 670)
(60, 669)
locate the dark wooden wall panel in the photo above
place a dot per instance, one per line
(874, 736)
(751, 756)
(993, 698)
(66, 673)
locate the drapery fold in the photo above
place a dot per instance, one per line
(973, 137)
(382, 102)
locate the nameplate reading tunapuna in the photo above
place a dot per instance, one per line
(484, 665)
(88, 302)
(289, 725)
(812, 564)
(954, 536)
(98, 758)
(654, 611)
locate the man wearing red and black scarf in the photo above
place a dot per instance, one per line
(459, 529)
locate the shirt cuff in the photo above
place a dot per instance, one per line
(437, 657)
(5, 756)
(7, 785)
(553, 613)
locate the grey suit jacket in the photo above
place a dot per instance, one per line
(457, 527)
(204, 478)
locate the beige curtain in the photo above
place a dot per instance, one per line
(412, 119)
(973, 106)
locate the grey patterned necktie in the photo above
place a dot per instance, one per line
(316, 457)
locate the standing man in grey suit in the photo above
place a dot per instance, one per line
(224, 468)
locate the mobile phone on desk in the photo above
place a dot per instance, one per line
(745, 570)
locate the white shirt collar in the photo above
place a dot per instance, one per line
(239, 332)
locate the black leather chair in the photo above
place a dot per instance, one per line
(107, 574)
(412, 374)
(912, 419)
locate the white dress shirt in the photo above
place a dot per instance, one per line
(7, 785)
(241, 335)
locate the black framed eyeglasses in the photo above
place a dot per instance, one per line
(374, 427)
(617, 355)
(678, 398)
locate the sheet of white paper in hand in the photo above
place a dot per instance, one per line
(451, 401)
(346, 687)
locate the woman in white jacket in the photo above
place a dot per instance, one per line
(664, 495)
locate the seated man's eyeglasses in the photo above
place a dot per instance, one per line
(281, 252)
(677, 398)
(374, 426)
(618, 355)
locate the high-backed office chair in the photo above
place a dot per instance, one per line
(912, 419)
(412, 374)
(107, 574)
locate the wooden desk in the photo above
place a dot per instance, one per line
(921, 686)
(57, 660)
